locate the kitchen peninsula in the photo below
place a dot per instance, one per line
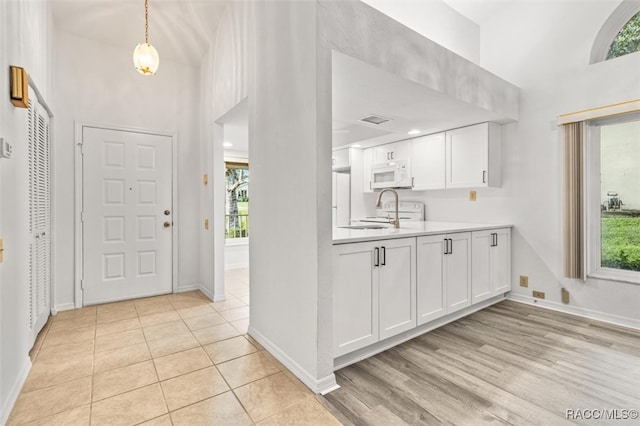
(391, 285)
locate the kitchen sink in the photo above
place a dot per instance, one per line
(371, 226)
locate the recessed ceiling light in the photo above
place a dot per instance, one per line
(227, 144)
(413, 132)
(356, 145)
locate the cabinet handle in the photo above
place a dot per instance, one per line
(446, 246)
(412, 180)
(384, 256)
(495, 239)
(484, 176)
(333, 161)
(450, 246)
(376, 257)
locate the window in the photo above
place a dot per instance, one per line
(628, 39)
(237, 202)
(614, 201)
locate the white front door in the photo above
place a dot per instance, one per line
(127, 217)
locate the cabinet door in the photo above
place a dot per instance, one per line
(481, 246)
(401, 150)
(382, 153)
(458, 272)
(355, 297)
(397, 286)
(501, 262)
(367, 161)
(427, 162)
(430, 278)
(467, 156)
(392, 152)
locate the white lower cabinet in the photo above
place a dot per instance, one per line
(374, 286)
(444, 275)
(491, 263)
(383, 288)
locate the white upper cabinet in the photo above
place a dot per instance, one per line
(392, 152)
(473, 156)
(341, 159)
(428, 162)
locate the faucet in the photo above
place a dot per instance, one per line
(395, 222)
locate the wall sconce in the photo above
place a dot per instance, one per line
(19, 87)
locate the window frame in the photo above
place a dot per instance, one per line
(593, 203)
(235, 161)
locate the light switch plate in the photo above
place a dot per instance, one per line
(5, 149)
(472, 195)
(205, 179)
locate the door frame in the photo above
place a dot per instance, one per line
(79, 187)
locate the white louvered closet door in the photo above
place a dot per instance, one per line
(39, 218)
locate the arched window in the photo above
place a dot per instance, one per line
(620, 34)
(627, 40)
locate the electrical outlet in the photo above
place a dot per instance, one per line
(565, 295)
(524, 281)
(206, 224)
(5, 149)
(538, 294)
(472, 195)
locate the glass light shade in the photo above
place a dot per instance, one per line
(146, 59)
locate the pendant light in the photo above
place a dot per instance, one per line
(145, 56)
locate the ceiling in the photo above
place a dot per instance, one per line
(179, 29)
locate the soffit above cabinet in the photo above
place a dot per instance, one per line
(381, 67)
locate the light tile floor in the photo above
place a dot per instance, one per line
(167, 360)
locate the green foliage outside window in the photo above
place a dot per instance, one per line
(628, 39)
(621, 240)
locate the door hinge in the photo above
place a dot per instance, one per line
(82, 216)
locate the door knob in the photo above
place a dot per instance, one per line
(167, 224)
(167, 212)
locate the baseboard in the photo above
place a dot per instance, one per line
(189, 287)
(12, 397)
(376, 348)
(576, 310)
(207, 293)
(318, 386)
(63, 307)
(219, 297)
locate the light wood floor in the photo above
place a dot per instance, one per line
(509, 364)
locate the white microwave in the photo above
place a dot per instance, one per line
(394, 174)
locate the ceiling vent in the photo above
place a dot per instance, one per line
(374, 119)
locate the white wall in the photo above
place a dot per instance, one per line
(290, 118)
(25, 40)
(223, 80)
(437, 21)
(97, 84)
(547, 55)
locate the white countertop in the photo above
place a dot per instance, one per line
(407, 229)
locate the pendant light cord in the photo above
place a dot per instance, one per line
(146, 21)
